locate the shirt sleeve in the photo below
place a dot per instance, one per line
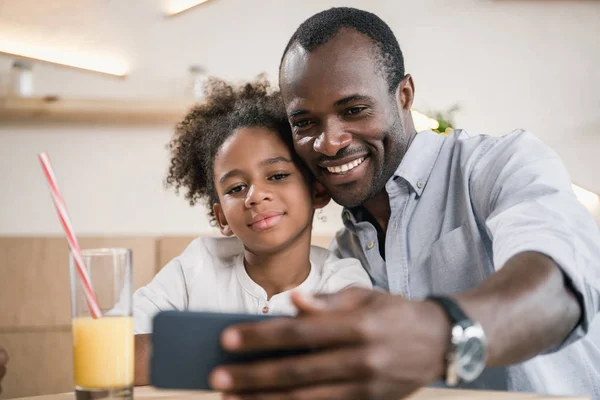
(522, 191)
(167, 291)
(346, 273)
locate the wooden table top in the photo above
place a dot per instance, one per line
(150, 393)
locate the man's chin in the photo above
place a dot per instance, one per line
(347, 199)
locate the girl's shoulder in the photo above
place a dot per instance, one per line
(211, 251)
(337, 273)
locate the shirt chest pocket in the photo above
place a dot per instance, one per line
(451, 266)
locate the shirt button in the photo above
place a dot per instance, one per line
(419, 184)
(348, 215)
(370, 245)
(265, 310)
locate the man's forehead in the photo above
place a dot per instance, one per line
(342, 47)
(340, 65)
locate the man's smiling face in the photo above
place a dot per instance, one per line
(346, 123)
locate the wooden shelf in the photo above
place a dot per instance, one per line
(102, 111)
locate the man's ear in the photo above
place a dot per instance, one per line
(321, 196)
(406, 92)
(221, 220)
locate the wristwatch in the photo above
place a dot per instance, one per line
(466, 357)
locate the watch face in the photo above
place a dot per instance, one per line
(471, 354)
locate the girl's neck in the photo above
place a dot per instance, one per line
(283, 269)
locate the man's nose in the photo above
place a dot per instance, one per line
(332, 140)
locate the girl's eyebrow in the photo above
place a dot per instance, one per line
(275, 160)
(268, 161)
(229, 174)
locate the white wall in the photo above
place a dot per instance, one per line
(112, 180)
(531, 64)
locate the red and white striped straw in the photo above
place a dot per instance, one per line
(63, 216)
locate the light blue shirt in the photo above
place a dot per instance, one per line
(461, 207)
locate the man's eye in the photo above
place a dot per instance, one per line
(235, 189)
(354, 110)
(278, 177)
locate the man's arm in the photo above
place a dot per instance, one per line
(546, 240)
(142, 359)
(525, 308)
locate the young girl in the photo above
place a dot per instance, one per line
(235, 152)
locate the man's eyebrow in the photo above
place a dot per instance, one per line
(353, 97)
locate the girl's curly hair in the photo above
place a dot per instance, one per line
(207, 126)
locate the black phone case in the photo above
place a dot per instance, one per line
(186, 347)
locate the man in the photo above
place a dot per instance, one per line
(490, 226)
(3, 362)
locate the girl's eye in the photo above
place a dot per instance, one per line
(235, 189)
(303, 123)
(278, 177)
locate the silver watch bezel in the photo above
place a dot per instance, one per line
(455, 372)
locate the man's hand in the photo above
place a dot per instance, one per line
(374, 346)
(3, 362)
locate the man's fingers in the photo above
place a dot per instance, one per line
(307, 303)
(347, 364)
(328, 320)
(346, 300)
(309, 331)
(2, 372)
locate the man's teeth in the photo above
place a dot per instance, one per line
(346, 167)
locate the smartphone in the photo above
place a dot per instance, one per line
(186, 347)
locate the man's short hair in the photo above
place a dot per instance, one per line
(321, 27)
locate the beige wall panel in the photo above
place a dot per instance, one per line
(40, 363)
(170, 247)
(34, 276)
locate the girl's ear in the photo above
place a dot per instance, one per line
(320, 196)
(221, 220)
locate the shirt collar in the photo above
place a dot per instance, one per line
(415, 168)
(418, 162)
(257, 291)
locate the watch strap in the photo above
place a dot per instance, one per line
(452, 310)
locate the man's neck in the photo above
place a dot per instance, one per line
(282, 270)
(379, 207)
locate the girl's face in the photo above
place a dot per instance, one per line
(264, 198)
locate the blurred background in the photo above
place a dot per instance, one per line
(507, 64)
(99, 85)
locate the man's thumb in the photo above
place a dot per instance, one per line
(346, 300)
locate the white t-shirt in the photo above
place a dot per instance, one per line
(210, 276)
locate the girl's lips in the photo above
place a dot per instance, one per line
(265, 219)
(266, 223)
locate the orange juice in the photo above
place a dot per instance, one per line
(103, 352)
